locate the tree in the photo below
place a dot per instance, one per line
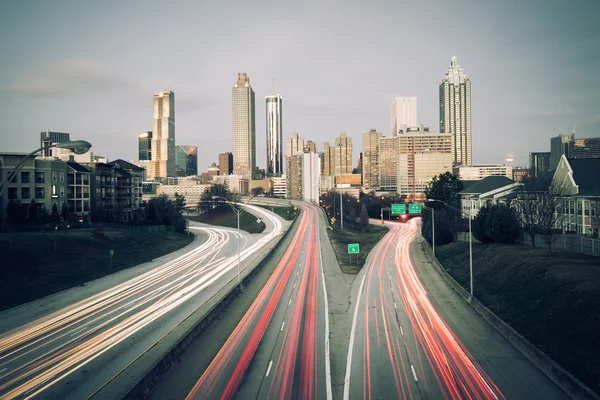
(444, 230)
(364, 217)
(32, 218)
(64, 212)
(444, 187)
(257, 191)
(15, 214)
(480, 222)
(54, 214)
(179, 202)
(352, 216)
(218, 190)
(503, 226)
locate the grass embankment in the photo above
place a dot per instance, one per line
(225, 216)
(340, 239)
(554, 302)
(35, 265)
(286, 213)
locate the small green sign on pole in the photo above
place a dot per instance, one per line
(414, 208)
(353, 248)
(398, 209)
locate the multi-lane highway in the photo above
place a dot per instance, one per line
(401, 347)
(73, 351)
(280, 348)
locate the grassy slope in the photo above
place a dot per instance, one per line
(32, 269)
(286, 213)
(552, 301)
(367, 240)
(225, 216)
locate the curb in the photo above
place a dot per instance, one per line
(572, 386)
(152, 364)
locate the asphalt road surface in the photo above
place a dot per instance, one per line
(280, 348)
(82, 342)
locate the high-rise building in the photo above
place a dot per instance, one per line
(48, 137)
(455, 112)
(303, 177)
(343, 154)
(421, 156)
(478, 172)
(162, 163)
(403, 113)
(310, 147)
(274, 135)
(559, 146)
(539, 163)
(244, 127)
(328, 159)
(370, 159)
(360, 165)
(584, 148)
(388, 163)
(186, 158)
(225, 164)
(145, 146)
(294, 145)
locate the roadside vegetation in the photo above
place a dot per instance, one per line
(287, 213)
(553, 301)
(37, 264)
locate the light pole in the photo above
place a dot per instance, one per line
(470, 216)
(341, 202)
(76, 146)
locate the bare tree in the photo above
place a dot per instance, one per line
(541, 212)
(595, 217)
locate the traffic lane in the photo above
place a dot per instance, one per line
(60, 359)
(513, 373)
(225, 373)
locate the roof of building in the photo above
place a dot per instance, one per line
(487, 184)
(586, 173)
(77, 167)
(540, 183)
(125, 165)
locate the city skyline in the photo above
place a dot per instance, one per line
(515, 111)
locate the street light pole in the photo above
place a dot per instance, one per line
(471, 245)
(341, 201)
(433, 230)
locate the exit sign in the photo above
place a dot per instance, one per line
(414, 208)
(353, 248)
(398, 209)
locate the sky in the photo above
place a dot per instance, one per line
(90, 68)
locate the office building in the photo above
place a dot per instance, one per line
(186, 158)
(584, 148)
(559, 146)
(48, 137)
(539, 163)
(225, 163)
(145, 146)
(455, 112)
(388, 163)
(235, 183)
(294, 145)
(279, 186)
(303, 177)
(403, 113)
(343, 154)
(421, 156)
(244, 127)
(310, 147)
(521, 174)
(370, 159)
(162, 163)
(478, 172)
(328, 166)
(274, 135)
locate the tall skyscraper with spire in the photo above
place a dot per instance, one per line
(455, 112)
(274, 135)
(162, 164)
(244, 127)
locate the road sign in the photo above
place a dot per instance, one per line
(353, 248)
(414, 208)
(398, 209)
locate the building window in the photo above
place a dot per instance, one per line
(54, 177)
(12, 194)
(62, 176)
(24, 177)
(98, 179)
(62, 191)
(39, 193)
(39, 177)
(25, 193)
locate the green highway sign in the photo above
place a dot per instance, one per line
(414, 208)
(398, 209)
(353, 248)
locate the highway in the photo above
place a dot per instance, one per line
(84, 341)
(401, 346)
(280, 348)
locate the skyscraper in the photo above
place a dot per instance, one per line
(455, 112)
(539, 163)
(274, 135)
(388, 163)
(403, 113)
(49, 137)
(310, 147)
(328, 159)
(370, 159)
(162, 163)
(559, 145)
(225, 163)
(186, 160)
(294, 145)
(145, 146)
(343, 154)
(244, 127)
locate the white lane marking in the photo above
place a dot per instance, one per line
(3, 370)
(414, 373)
(326, 305)
(351, 345)
(395, 306)
(401, 331)
(290, 302)
(298, 273)
(294, 286)
(79, 330)
(269, 368)
(282, 325)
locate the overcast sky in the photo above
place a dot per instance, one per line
(90, 68)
